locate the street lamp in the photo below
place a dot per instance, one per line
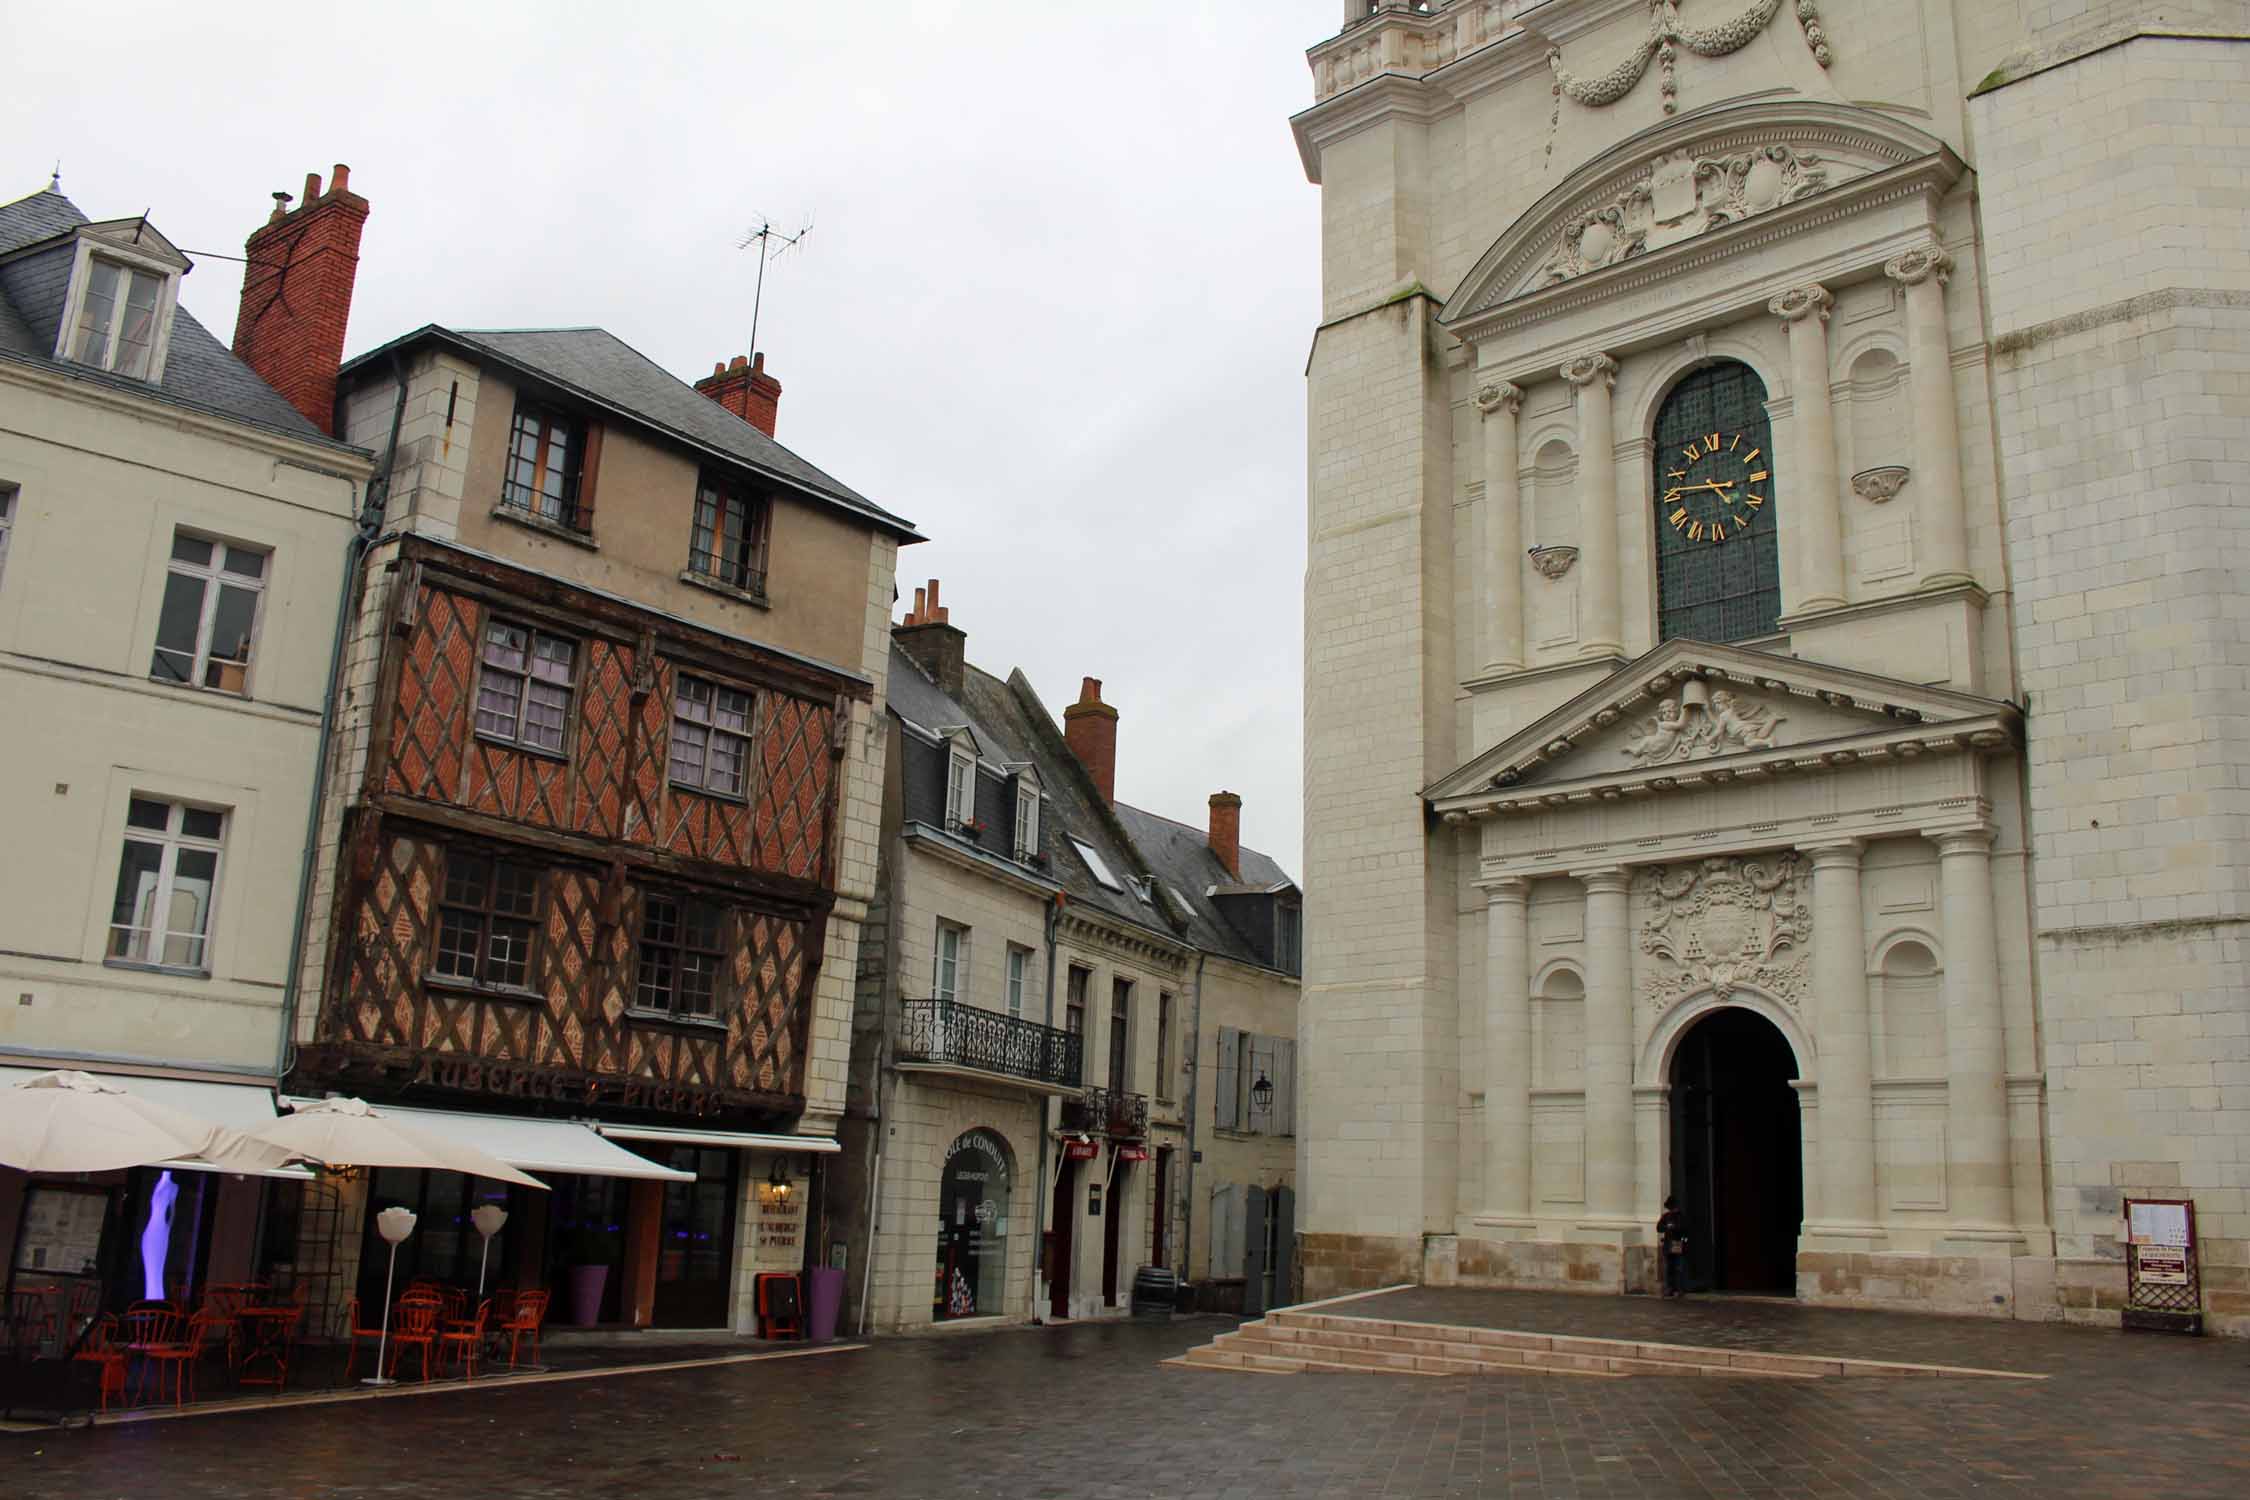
(393, 1224)
(1261, 1093)
(489, 1219)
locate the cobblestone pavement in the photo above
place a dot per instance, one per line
(1086, 1411)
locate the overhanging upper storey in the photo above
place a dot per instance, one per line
(1715, 184)
(1690, 716)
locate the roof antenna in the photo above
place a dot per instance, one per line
(54, 178)
(767, 238)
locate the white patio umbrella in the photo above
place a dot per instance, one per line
(74, 1122)
(351, 1132)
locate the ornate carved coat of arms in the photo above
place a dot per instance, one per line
(1720, 923)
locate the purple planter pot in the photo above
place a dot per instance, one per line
(586, 1286)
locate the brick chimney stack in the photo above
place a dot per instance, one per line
(297, 294)
(939, 647)
(1226, 831)
(743, 387)
(1090, 730)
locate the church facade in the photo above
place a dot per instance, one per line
(1774, 691)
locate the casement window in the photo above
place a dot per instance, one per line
(960, 786)
(1027, 821)
(1074, 1000)
(165, 884)
(7, 525)
(1289, 925)
(729, 541)
(951, 966)
(1238, 1103)
(1163, 1045)
(682, 951)
(487, 920)
(524, 686)
(208, 621)
(710, 737)
(1019, 979)
(117, 318)
(546, 458)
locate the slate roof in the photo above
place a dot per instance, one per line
(598, 366)
(200, 373)
(1011, 724)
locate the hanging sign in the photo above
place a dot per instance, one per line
(1132, 1153)
(1081, 1150)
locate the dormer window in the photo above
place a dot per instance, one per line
(960, 786)
(124, 284)
(1027, 821)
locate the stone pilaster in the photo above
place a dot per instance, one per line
(1507, 1050)
(1503, 530)
(1978, 1176)
(1599, 632)
(1814, 517)
(1846, 1100)
(1941, 522)
(1610, 1151)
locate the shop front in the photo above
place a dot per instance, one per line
(972, 1239)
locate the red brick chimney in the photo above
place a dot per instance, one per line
(1226, 831)
(939, 647)
(743, 387)
(297, 294)
(1090, 730)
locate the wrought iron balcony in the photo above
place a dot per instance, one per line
(951, 1034)
(1122, 1115)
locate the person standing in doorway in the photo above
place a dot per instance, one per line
(1671, 1238)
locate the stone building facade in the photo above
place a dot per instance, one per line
(1764, 495)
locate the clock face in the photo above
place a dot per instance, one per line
(1713, 489)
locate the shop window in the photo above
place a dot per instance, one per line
(972, 1247)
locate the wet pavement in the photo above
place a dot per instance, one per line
(1085, 1410)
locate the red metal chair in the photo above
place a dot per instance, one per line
(157, 1333)
(414, 1326)
(101, 1348)
(464, 1337)
(529, 1314)
(353, 1333)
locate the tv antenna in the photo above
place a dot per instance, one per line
(770, 242)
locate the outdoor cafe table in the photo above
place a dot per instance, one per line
(265, 1335)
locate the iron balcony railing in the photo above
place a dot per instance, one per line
(1110, 1111)
(947, 1031)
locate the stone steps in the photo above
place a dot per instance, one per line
(1291, 1342)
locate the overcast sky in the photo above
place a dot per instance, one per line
(1054, 307)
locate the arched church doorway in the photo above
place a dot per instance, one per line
(1737, 1167)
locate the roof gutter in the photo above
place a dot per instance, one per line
(367, 526)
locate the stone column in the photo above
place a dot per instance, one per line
(1846, 1098)
(1609, 1048)
(1940, 521)
(1599, 634)
(1976, 1093)
(1507, 1049)
(1503, 529)
(1813, 488)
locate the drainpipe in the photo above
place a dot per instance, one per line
(367, 526)
(1194, 1092)
(878, 1149)
(1039, 1204)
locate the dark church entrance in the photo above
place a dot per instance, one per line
(1736, 1164)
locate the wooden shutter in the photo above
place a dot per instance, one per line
(1285, 1086)
(1226, 1231)
(1284, 1246)
(1254, 1251)
(589, 469)
(1226, 1088)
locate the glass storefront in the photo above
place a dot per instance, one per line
(972, 1247)
(695, 1247)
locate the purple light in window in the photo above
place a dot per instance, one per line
(156, 1236)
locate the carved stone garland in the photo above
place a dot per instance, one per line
(1665, 34)
(1722, 923)
(1680, 197)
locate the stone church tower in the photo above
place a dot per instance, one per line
(1776, 676)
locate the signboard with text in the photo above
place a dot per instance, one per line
(2162, 1286)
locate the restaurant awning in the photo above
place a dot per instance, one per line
(238, 1106)
(741, 1140)
(542, 1146)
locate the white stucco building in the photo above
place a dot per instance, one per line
(1767, 494)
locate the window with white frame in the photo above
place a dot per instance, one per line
(165, 883)
(710, 737)
(952, 961)
(960, 786)
(1096, 865)
(117, 318)
(207, 623)
(1027, 821)
(1019, 974)
(524, 686)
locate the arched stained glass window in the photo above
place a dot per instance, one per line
(1718, 561)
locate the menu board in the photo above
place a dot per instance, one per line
(62, 1229)
(776, 1236)
(2159, 1224)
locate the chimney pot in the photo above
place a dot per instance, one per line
(312, 186)
(1090, 730)
(339, 178)
(737, 362)
(1226, 831)
(939, 648)
(295, 343)
(921, 603)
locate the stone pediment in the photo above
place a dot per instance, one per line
(1689, 178)
(1690, 714)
